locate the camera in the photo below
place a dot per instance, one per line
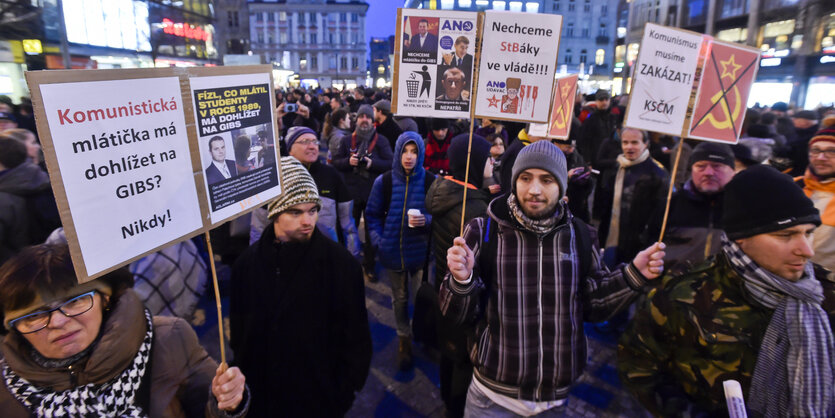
(290, 107)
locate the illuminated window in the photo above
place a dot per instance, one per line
(599, 57)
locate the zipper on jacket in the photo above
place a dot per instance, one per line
(540, 371)
(402, 221)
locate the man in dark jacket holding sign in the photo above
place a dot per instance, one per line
(298, 321)
(526, 278)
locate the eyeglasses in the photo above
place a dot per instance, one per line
(828, 153)
(37, 321)
(306, 142)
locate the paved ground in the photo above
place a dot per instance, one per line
(390, 393)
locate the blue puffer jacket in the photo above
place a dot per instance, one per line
(400, 247)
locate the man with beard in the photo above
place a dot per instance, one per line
(819, 185)
(298, 321)
(526, 277)
(694, 227)
(361, 157)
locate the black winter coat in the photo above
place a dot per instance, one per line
(644, 188)
(444, 202)
(299, 326)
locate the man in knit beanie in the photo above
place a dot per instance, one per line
(758, 312)
(361, 157)
(819, 185)
(694, 224)
(526, 277)
(297, 307)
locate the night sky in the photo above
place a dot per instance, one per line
(380, 20)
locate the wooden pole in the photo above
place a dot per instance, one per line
(223, 364)
(473, 87)
(670, 191)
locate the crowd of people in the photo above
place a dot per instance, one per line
(557, 233)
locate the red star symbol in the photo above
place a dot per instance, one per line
(494, 102)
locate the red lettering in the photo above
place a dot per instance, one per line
(62, 117)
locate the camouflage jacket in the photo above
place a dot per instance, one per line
(692, 333)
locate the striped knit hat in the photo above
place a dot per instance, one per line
(827, 133)
(298, 187)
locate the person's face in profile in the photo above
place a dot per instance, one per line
(219, 151)
(422, 28)
(461, 49)
(453, 84)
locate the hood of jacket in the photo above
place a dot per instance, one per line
(26, 178)
(444, 195)
(402, 140)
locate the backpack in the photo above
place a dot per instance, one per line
(488, 250)
(428, 179)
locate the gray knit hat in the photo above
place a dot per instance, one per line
(298, 186)
(366, 110)
(543, 155)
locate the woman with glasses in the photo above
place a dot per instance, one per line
(92, 349)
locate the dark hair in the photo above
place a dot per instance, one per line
(46, 266)
(333, 122)
(242, 147)
(213, 139)
(491, 138)
(12, 152)
(19, 134)
(462, 40)
(423, 21)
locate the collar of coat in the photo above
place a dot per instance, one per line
(120, 336)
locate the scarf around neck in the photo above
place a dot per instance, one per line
(614, 222)
(113, 398)
(795, 371)
(537, 226)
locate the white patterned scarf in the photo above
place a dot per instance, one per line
(614, 221)
(795, 370)
(537, 226)
(114, 398)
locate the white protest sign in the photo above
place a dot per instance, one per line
(663, 79)
(434, 63)
(119, 161)
(518, 61)
(236, 141)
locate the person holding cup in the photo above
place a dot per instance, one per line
(399, 228)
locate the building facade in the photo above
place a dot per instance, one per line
(796, 38)
(382, 52)
(232, 27)
(322, 41)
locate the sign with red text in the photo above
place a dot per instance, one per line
(562, 111)
(722, 98)
(434, 63)
(517, 66)
(663, 80)
(117, 147)
(236, 141)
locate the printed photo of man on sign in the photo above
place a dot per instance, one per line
(723, 95)
(420, 40)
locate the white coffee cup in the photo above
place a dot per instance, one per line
(412, 214)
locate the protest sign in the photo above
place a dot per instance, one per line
(663, 79)
(516, 72)
(722, 98)
(434, 63)
(235, 138)
(117, 150)
(562, 111)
